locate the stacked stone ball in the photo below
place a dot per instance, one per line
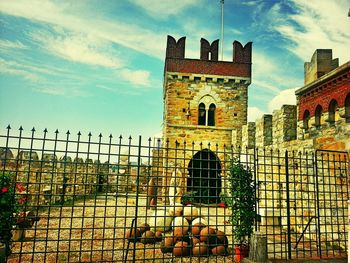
(192, 237)
(190, 234)
(143, 234)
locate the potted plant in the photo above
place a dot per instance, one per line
(188, 197)
(240, 198)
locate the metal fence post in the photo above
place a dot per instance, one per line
(348, 230)
(288, 207)
(137, 194)
(317, 207)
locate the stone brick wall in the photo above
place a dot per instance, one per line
(248, 135)
(279, 131)
(284, 125)
(181, 109)
(50, 180)
(263, 134)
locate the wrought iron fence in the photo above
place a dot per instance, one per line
(97, 199)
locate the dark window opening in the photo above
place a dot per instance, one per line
(306, 120)
(347, 106)
(201, 114)
(318, 115)
(331, 111)
(211, 115)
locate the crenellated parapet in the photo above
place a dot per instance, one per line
(284, 124)
(209, 51)
(248, 135)
(263, 134)
(175, 49)
(242, 54)
(175, 60)
(48, 178)
(321, 63)
(322, 115)
(271, 129)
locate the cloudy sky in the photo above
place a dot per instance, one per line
(97, 65)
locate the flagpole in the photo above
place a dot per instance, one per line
(222, 29)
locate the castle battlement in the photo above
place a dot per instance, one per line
(320, 120)
(208, 64)
(321, 63)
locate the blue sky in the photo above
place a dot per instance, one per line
(97, 65)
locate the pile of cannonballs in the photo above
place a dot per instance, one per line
(187, 234)
(143, 234)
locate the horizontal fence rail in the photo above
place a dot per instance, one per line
(85, 198)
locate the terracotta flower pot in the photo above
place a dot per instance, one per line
(241, 252)
(222, 204)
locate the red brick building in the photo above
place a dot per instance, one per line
(324, 101)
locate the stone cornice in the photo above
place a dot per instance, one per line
(186, 126)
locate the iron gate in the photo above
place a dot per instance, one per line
(302, 203)
(81, 195)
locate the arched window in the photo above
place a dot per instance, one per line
(347, 106)
(201, 114)
(318, 116)
(333, 105)
(306, 120)
(211, 115)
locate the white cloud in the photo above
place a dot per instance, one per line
(254, 113)
(251, 3)
(69, 91)
(60, 14)
(32, 67)
(104, 87)
(262, 76)
(50, 91)
(284, 97)
(265, 85)
(136, 77)
(77, 48)
(12, 68)
(6, 44)
(316, 24)
(164, 8)
(234, 31)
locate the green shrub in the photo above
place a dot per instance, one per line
(241, 199)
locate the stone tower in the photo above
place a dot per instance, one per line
(205, 100)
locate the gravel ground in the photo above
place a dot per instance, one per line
(93, 231)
